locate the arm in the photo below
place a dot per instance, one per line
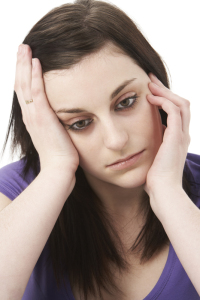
(25, 226)
(27, 222)
(180, 218)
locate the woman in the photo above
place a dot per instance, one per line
(106, 197)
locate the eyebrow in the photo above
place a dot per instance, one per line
(114, 94)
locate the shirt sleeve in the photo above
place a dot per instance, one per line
(12, 182)
(193, 175)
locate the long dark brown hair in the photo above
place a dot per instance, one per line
(83, 243)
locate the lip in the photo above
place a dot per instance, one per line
(126, 158)
(126, 162)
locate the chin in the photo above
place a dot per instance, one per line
(131, 184)
(130, 187)
(131, 180)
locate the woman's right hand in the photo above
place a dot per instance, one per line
(48, 135)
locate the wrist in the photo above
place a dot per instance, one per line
(63, 178)
(59, 167)
(163, 198)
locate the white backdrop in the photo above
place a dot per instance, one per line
(172, 27)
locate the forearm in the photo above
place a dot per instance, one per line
(181, 220)
(25, 226)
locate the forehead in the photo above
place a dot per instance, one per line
(108, 51)
(94, 77)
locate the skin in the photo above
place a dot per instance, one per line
(121, 192)
(113, 134)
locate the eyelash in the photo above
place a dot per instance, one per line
(70, 127)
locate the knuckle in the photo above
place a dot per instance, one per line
(177, 109)
(24, 85)
(187, 102)
(35, 91)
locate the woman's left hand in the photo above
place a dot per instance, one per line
(167, 168)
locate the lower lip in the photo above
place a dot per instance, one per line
(127, 163)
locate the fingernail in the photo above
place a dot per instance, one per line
(151, 74)
(154, 84)
(33, 63)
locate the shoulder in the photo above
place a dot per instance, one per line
(12, 180)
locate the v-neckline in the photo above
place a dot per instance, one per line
(162, 281)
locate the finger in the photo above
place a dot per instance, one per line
(19, 78)
(156, 80)
(182, 103)
(37, 86)
(174, 120)
(26, 76)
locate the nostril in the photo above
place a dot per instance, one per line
(116, 140)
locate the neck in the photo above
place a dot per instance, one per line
(126, 208)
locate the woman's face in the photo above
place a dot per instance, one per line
(118, 129)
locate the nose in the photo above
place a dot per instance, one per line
(115, 136)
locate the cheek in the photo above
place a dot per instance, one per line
(156, 119)
(87, 148)
(147, 124)
(154, 126)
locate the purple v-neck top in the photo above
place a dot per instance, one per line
(173, 284)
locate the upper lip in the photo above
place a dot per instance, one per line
(124, 159)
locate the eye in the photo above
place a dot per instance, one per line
(82, 124)
(128, 102)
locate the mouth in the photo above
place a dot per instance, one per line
(125, 160)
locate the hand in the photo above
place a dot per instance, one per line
(48, 135)
(167, 168)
